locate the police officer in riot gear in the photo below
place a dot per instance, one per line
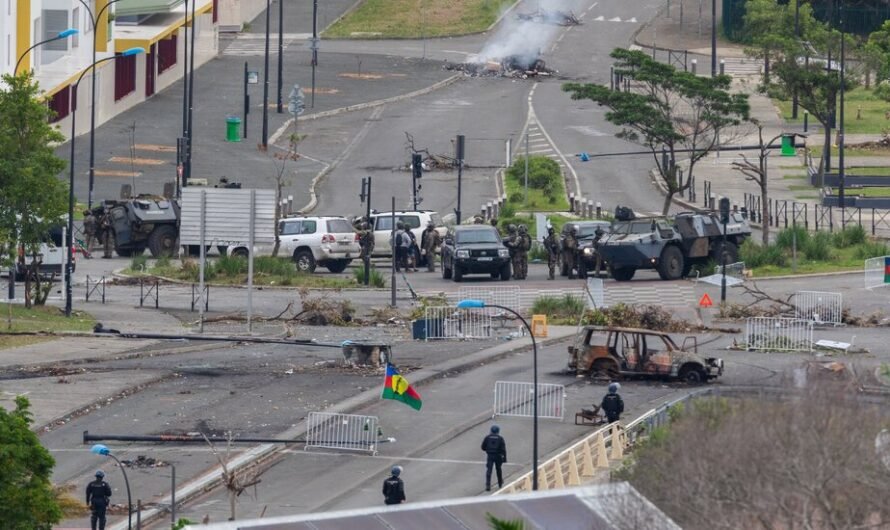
(394, 488)
(98, 498)
(496, 451)
(612, 404)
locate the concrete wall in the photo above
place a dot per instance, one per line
(234, 13)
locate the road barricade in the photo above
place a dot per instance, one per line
(876, 272)
(449, 322)
(778, 334)
(348, 432)
(821, 308)
(513, 398)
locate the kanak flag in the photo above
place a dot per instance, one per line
(398, 388)
(887, 269)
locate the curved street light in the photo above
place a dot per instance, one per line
(94, 21)
(477, 304)
(62, 35)
(69, 238)
(103, 450)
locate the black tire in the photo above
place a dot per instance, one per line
(457, 274)
(162, 241)
(624, 274)
(505, 272)
(337, 266)
(446, 272)
(240, 253)
(671, 263)
(221, 249)
(495, 275)
(125, 252)
(692, 374)
(304, 261)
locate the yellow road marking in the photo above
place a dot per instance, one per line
(113, 173)
(156, 148)
(137, 161)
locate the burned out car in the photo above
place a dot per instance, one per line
(630, 352)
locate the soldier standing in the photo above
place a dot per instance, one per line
(551, 244)
(429, 241)
(598, 234)
(107, 235)
(512, 244)
(98, 494)
(569, 247)
(89, 232)
(525, 244)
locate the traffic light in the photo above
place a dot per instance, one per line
(417, 165)
(724, 210)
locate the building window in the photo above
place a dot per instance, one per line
(124, 76)
(55, 21)
(59, 103)
(166, 54)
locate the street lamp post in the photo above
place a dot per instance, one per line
(94, 21)
(475, 304)
(103, 450)
(69, 239)
(265, 141)
(62, 35)
(713, 38)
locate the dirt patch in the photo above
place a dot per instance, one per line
(355, 75)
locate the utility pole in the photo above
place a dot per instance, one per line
(724, 218)
(794, 101)
(416, 174)
(280, 51)
(191, 135)
(265, 142)
(459, 145)
(314, 47)
(840, 127)
(713, 38)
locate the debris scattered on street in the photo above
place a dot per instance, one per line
(515, 66)
(143, 462)
(550, 16)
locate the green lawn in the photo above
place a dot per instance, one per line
(869, 171)
(876, 191)
(233, 271)
(38, 318)
(870, 108)
(414, 19)
(537, 202)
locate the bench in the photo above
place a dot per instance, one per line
(590, 417)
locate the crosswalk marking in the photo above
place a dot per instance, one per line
(254, 45)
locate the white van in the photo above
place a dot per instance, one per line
(52, 250)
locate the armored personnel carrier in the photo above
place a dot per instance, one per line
(669, 245)
(145, 221)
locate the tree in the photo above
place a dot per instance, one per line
(669, 108)
(31, 195)
(758, 172)
(27, 500)
(876, 54)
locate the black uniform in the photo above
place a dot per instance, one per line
(496, 449)
(98, 494)
(393, 490)
(612, 406)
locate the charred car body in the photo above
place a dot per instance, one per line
(669, 245)
(630, 352)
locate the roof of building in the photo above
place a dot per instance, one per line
(599, 507)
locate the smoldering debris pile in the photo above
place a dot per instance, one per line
(513, 66)
(550, 16)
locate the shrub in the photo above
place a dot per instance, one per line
(231, 266)
(375, 277)
(507, 210)
(517, 197)
(755, 255)
(818, 247)
(558, 307)
(849, 236)
(163, 262)
(871, 249)
(138, 263)
(704, 269)
(882, 90)
(541, 171)
(785, 238)
(537, 252)
(274, 266)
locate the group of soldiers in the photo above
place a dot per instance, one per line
(97, 228)
(409, 255)
(519, 243)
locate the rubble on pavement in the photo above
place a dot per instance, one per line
(551, 16)
(514, 66)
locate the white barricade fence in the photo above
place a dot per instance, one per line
(672, 294)
(596, 294)
(449, 322)
(505, 296)
(822, 308)
(778, 334)
(512, 398)
(528, 297)
(875, 270)
(735, 275)
(349, 432)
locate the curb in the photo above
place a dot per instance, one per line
(210, 479)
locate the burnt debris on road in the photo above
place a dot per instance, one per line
(550, 16)
(512, 66)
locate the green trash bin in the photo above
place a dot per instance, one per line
(233, 129)
(788, 145)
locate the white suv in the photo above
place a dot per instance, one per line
(416, 221)
(327, 241)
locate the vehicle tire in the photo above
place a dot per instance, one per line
(446, 272)
(505, 272)
(730, 250)
(458, 274)
(624, 274)
(605, 368)
(162, 241)
(692, 374)
(125, 252)
(240, 253)
(337, 266)
(304, 260)
(221, 249)
(671, 263)
(495, 275)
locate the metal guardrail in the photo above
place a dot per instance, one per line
(874, 272)
(350, 432)
(149, 292)
(449, 322)
(778, 334)
(821, 308)
(93, 286)
(515, 398)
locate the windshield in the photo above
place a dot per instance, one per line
(477, 236)
(632, 227)
(589, 230)
(339, 226)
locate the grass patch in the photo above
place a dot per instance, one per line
(375, 277)
(871, 171)
(800, 187)
(816, 253)
(410, 19)
(546, 186)
(232, 270)
(38, 318)
(795, 177)
(876, 191)
(870, 107)
(564, 309)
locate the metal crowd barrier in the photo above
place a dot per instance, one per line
(348, 432)
(778, 334)
(512, 398)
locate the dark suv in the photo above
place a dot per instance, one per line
(474, 249)
(585, 259)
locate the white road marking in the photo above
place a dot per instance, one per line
(599, 19)
(592, 6)
(632, 20)
(616, 19)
